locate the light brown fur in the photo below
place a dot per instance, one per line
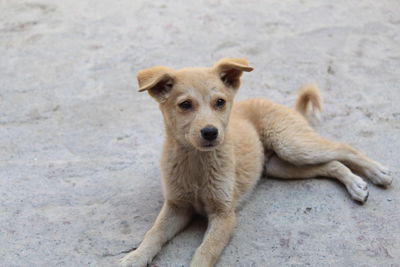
(211, 177)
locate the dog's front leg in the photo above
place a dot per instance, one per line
(169, 222)
(219, 231)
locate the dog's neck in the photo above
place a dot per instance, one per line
(198, 165)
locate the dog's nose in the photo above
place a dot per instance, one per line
(209, 133)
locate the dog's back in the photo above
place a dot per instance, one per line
(271, 119)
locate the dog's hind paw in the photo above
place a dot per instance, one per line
(380, 175)
(358, 190)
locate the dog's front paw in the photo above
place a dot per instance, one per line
(133, 259)
(358, 190)
(380, 175)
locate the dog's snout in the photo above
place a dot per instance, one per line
(209, 133)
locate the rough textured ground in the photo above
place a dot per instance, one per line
(79, 147)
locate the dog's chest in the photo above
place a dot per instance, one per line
(205, 183)
(198, 202)
(197, 189)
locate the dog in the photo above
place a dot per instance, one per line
(216, 150)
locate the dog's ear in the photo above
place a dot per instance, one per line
(230, 70)
(158, 81)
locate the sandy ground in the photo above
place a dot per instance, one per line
(79, 147)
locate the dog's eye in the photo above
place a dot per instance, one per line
(185, 105)
(220, 103)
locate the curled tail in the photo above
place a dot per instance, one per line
(309, 102)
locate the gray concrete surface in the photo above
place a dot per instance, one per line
(79, 147)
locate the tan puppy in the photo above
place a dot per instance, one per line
(214, 152)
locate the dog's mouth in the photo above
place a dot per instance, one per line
(201, 144)
(207, 145)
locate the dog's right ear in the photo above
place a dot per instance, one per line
(230, 70)
(158, 81)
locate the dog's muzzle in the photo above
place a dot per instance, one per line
(209, 133)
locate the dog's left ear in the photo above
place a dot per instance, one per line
(230, 69)
(158, 81)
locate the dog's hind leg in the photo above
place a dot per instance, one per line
(356, 187)
(288, 134)
(305, 148)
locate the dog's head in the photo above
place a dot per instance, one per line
(195, 102)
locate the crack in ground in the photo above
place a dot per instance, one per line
(107, 254)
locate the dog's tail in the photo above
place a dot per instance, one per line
(309, 102)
